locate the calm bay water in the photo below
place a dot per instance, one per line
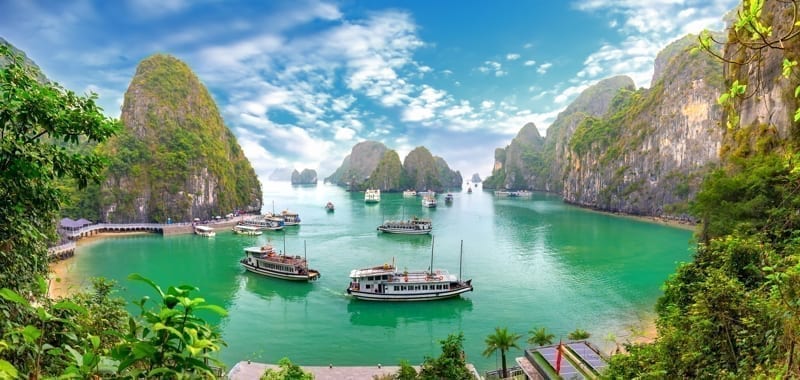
(534, 263)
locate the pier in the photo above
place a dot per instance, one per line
(165, 229)
(247, 370)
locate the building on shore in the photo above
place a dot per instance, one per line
(570, 360)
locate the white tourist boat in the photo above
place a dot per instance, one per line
(290, 218)
(409, 193)
(448, 198)
(428, 201)
(372, 196)
(244, 229)
(385, 283)
(204, 231)
(413, 226)
(266, 261)
(265, 222)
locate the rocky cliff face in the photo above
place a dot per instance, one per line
(648, 155)
(388, 175)
(306, 177)
(358, 165)
(175, 158)
(615, 148)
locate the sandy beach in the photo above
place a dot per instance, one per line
(62, 279)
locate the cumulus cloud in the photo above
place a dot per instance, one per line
(512, 56)
(542, 69)
(529, 63)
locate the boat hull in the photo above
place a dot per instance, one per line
(409, 297)
(312, 276)
(403, 231)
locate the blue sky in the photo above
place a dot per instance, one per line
(301, 82)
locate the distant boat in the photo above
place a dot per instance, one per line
(428, 201)
(329, 207)
(265, 261)
(204, 231)
(410, 193)
(372, 196)
(290, 218)
(448, 198)
(385, 283)
(413, 226)
(244, 229)
(516, 193)
(469, 190)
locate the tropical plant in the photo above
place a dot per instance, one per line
(450, 364)
(288, 371)
(579, 334)
(503, 341)
(540, 336)
(169, 340)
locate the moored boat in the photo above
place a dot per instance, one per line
(244, 229)
(448, 198)
(372, 196)
(204, 231)
(385, 283)
(413, 226)
(329, 207)
(409, 193)
(428, 201)
(266, 222)
(469, 190)
(290, 218)
(266, 261)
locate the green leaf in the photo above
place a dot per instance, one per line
(7, 371)
(217, 309)
(143, 350)
(69, 305)
(77, 358)
(10, 295)
(138, 277)
(95, 341)
(31, 333)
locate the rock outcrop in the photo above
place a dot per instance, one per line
(358, 165)
(306, 177)
(175, 158)
(388, 175)
(641, 152)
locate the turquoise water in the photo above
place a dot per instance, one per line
(534, 262)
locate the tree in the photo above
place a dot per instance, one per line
(450, 364)
(39, 120)
(579, 334)
(540, 337)
(288, 371)
(501, 340)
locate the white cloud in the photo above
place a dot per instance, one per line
(512, 56)
(529, 63)
(344, 134)
(157, 8)
(486, 104)
(542, 69)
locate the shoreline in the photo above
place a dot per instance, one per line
(61, 281)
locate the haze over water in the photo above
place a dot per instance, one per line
(534, 263)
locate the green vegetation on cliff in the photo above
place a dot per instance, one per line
(388, 175)
(421, 171)
(176, 159)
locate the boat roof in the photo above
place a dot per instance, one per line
(204, 228)
(246, 227)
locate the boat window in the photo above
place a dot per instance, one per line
(424, 287)
(395, 288)
(367, 287)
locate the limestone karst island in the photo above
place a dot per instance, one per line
(359, 190)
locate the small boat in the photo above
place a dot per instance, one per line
(410, 193)
(204, 231)
(290, 218)
(448, 198)
(372, 196)
(385, 283)
(266, 222)
(522, 194)
(329, 207)
(502, 193)
(428, 201)
(413, 226)
(265, 261)
(244, 229)
(469, 190)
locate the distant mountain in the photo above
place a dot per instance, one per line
(359, 164)
(476, 178)
(371, 165)
(175, 158)
(281, 174)
(307, 177)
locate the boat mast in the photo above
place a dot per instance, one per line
(305, 255)
(460, 259)
(284, 242)
(431, 268)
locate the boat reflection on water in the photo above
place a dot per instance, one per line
(268, 288)
(394, 314)
(422, 240)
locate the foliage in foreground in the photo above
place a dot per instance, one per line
(288, 371)
(91, 335)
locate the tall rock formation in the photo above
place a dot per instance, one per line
(358, 165)
(447, 177)
(175, 158)
(306, 177)
(388, 175)
(641, 152)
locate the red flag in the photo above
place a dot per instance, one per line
(558, 358)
